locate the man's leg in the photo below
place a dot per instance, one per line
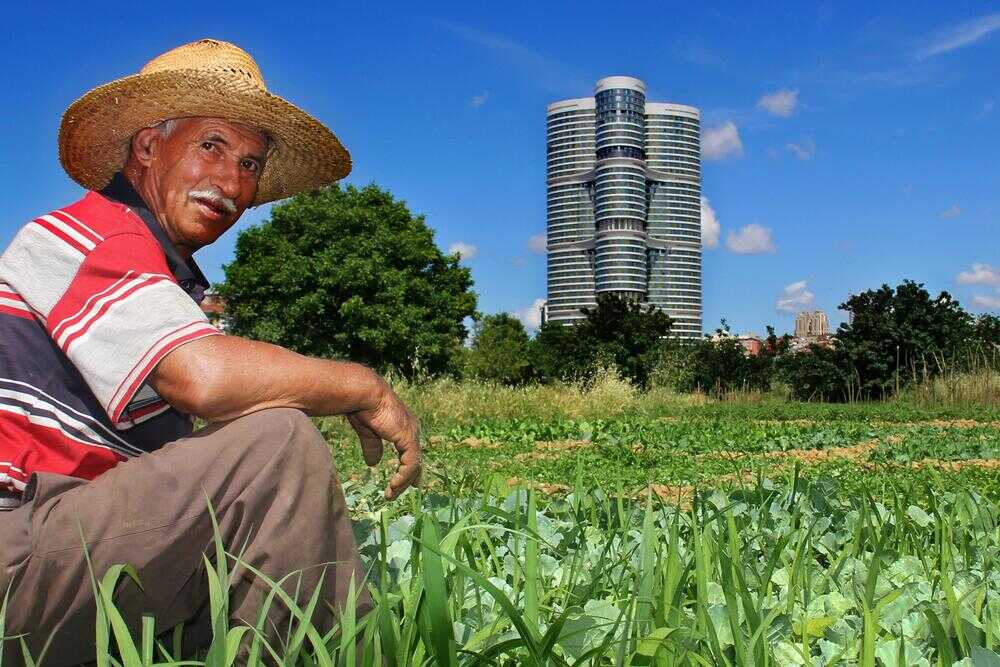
(270, 479)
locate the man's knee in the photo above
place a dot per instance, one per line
(287, 434)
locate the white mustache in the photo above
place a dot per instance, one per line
(215, 198)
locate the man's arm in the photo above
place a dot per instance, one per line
(223, 377)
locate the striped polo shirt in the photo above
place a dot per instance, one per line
(92, 297)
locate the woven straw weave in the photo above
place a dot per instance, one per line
(207, 78)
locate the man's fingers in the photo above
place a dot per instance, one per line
(408, 472)
(371, 443)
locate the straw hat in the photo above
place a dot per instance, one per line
(206, 78)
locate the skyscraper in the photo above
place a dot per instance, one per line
(811, 324)
(624, 203)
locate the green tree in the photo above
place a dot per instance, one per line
(500, 349)
(901, 333)
(720, 365)
(627, 334)
(559, 352)
(619, 330)
(818, 373)
(986, 332)
(352, 273)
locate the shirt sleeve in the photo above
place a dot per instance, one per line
(120, 315)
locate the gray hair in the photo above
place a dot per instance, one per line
(166, 127)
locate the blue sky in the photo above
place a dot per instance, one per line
(851, 144)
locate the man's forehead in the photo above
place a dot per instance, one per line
(202, 124)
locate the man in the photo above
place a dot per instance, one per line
(105, 358)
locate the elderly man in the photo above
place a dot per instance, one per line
(105, 359)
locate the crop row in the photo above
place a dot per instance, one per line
(774, 574)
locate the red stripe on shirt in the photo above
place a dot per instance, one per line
(91, 300)
(201, 332)
(13, 296)
(34, 447)
(16, 312)
(80, 228)
(55, 231)
(104, 308)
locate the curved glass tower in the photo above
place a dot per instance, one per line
(624, 203)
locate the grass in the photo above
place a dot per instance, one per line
(445, 403)
(566, 525)
(786, 571)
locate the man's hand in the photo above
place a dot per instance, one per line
(390, 420)
(219, 378)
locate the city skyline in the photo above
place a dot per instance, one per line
(623, 182)
(844, 146)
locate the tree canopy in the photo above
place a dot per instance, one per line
(900, 331)
(349, 273)
(619, 330)
(500, 350)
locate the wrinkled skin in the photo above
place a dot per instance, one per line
(198, 178)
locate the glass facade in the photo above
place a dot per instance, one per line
(624, 203)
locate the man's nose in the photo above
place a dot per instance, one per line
(227, 178)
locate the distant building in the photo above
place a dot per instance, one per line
(812, 328)
(751, 342)
(214, 307)
(811, 325)
(624, 203)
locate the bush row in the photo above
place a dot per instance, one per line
(895, 338)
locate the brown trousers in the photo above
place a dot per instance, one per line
(271, 482)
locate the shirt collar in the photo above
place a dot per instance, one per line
(185, 271)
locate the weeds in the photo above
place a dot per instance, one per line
(781, 572)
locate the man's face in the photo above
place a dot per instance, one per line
(201, 176)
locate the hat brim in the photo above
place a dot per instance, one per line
(96, 129)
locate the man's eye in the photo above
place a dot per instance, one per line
(208, 145)
(249, 165)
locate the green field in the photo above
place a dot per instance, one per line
(672, 530)
(603, 526)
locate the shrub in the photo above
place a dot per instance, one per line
(499, 351)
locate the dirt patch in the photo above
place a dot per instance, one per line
(792, 422)
(475, 443)
(676, 494)
(955, 466)
(547, 489)
(940, 423)
(561, 445)
(852, 453)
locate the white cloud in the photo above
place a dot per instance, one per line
(987, 302)
(718, 143)
(531, 316)
(780, 102)
(804, 150)
(709, 225)
(952, 211)
(479, 100)
(536, 244)
(981, 274)
(750, 240)
(963, 34)
(795, 297)
(465, 250)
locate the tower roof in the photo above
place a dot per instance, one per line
(630, 82)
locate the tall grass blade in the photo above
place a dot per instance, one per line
(436, 591)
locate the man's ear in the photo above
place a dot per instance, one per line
(145, 143)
